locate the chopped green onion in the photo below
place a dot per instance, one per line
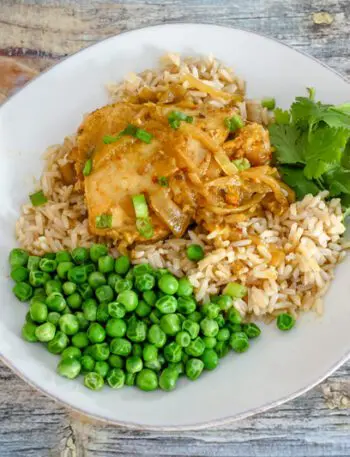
(140, 206)
(143, 136)
(241, 164)
(233, 123)
(235, 290)
(311, 91)
(175, 118)
(269, 103)
(38, 198)
(109, 139)
(103, 221)
(87, 167)
(163, 181)
(145, 227)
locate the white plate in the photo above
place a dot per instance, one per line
(279, 366)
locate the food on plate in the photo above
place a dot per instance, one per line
(177, 215)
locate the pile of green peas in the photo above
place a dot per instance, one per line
(119, 324)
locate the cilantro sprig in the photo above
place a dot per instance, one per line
(311, 141)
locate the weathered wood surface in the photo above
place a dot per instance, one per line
(34, 34)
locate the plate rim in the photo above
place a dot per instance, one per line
(206, 424)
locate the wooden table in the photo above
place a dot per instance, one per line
(35, 34)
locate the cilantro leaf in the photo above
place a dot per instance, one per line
(324, 148)
(286, 140)
(281, 117)
(296, 179)
(345, 203)
(337, 180)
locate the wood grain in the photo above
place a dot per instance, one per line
(35, 34)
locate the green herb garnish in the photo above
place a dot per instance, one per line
(175, 118)
(38, 198)
(241, 164)
(233, 123)
(87, 167)
(268, 103)
(163, 181)
(131, 130)
(312, 147)
(103, 221)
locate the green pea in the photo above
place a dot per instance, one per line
(69, 324)
(69, 368)
(150, 297)
(209, 327)
(64, 269)
(28, 317)
(191, 327)
(223, 334)
(28, 332)
(285, 321)
(168, 284)
(186, 305)
(129, 299)
(116, 309)
(83, 323)
(99, 351)
(183, 339)
(122, 265)
(55, 302)
(137, 330)
(149, 353)
(75, 300)
(137, 350)
(93, 381)
(251, 330)
(18, 258)
(50, 255)
(96, 279)
(45, 332)
(144, 282)
(167, 304)
(221, 348)
(120, 346)
(106, 264)
(80, 340)
(38, 278)
(210, 359)
(234, 316)
(115, 361)
(112, 279)
(130, 379)
(39, 292)
(97, 251)
(33, 262)
(22, 291)
(96, 333)
(122, 284)
(69, 287)
(147, 380)
(85, 291)
(173, 352)
(194, 368)
(179, 367)
(220, 320)
(156, 336)
(170, 324)
(211, 310)
(154, 365)
(195, 316)
(104, 294)
(155, 316)
(89, 268)
(168, 379)
(53, 317)
(77, 274)
(52, 286)
(143, 268)
(38, 312)
(102, 368)
(185, 288)
(234, 328)
(47, 265)
(63, 256)
(239, 342)
(116, 378)
(80, 255)
(102, 314)
(58, 343)
(20, 274)
(143, 309)
(71, 352)
(133, 364)
(87, 363)
(209, 342)
(196, 347)
(89, 308)
(195, 252)
(115, 327)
